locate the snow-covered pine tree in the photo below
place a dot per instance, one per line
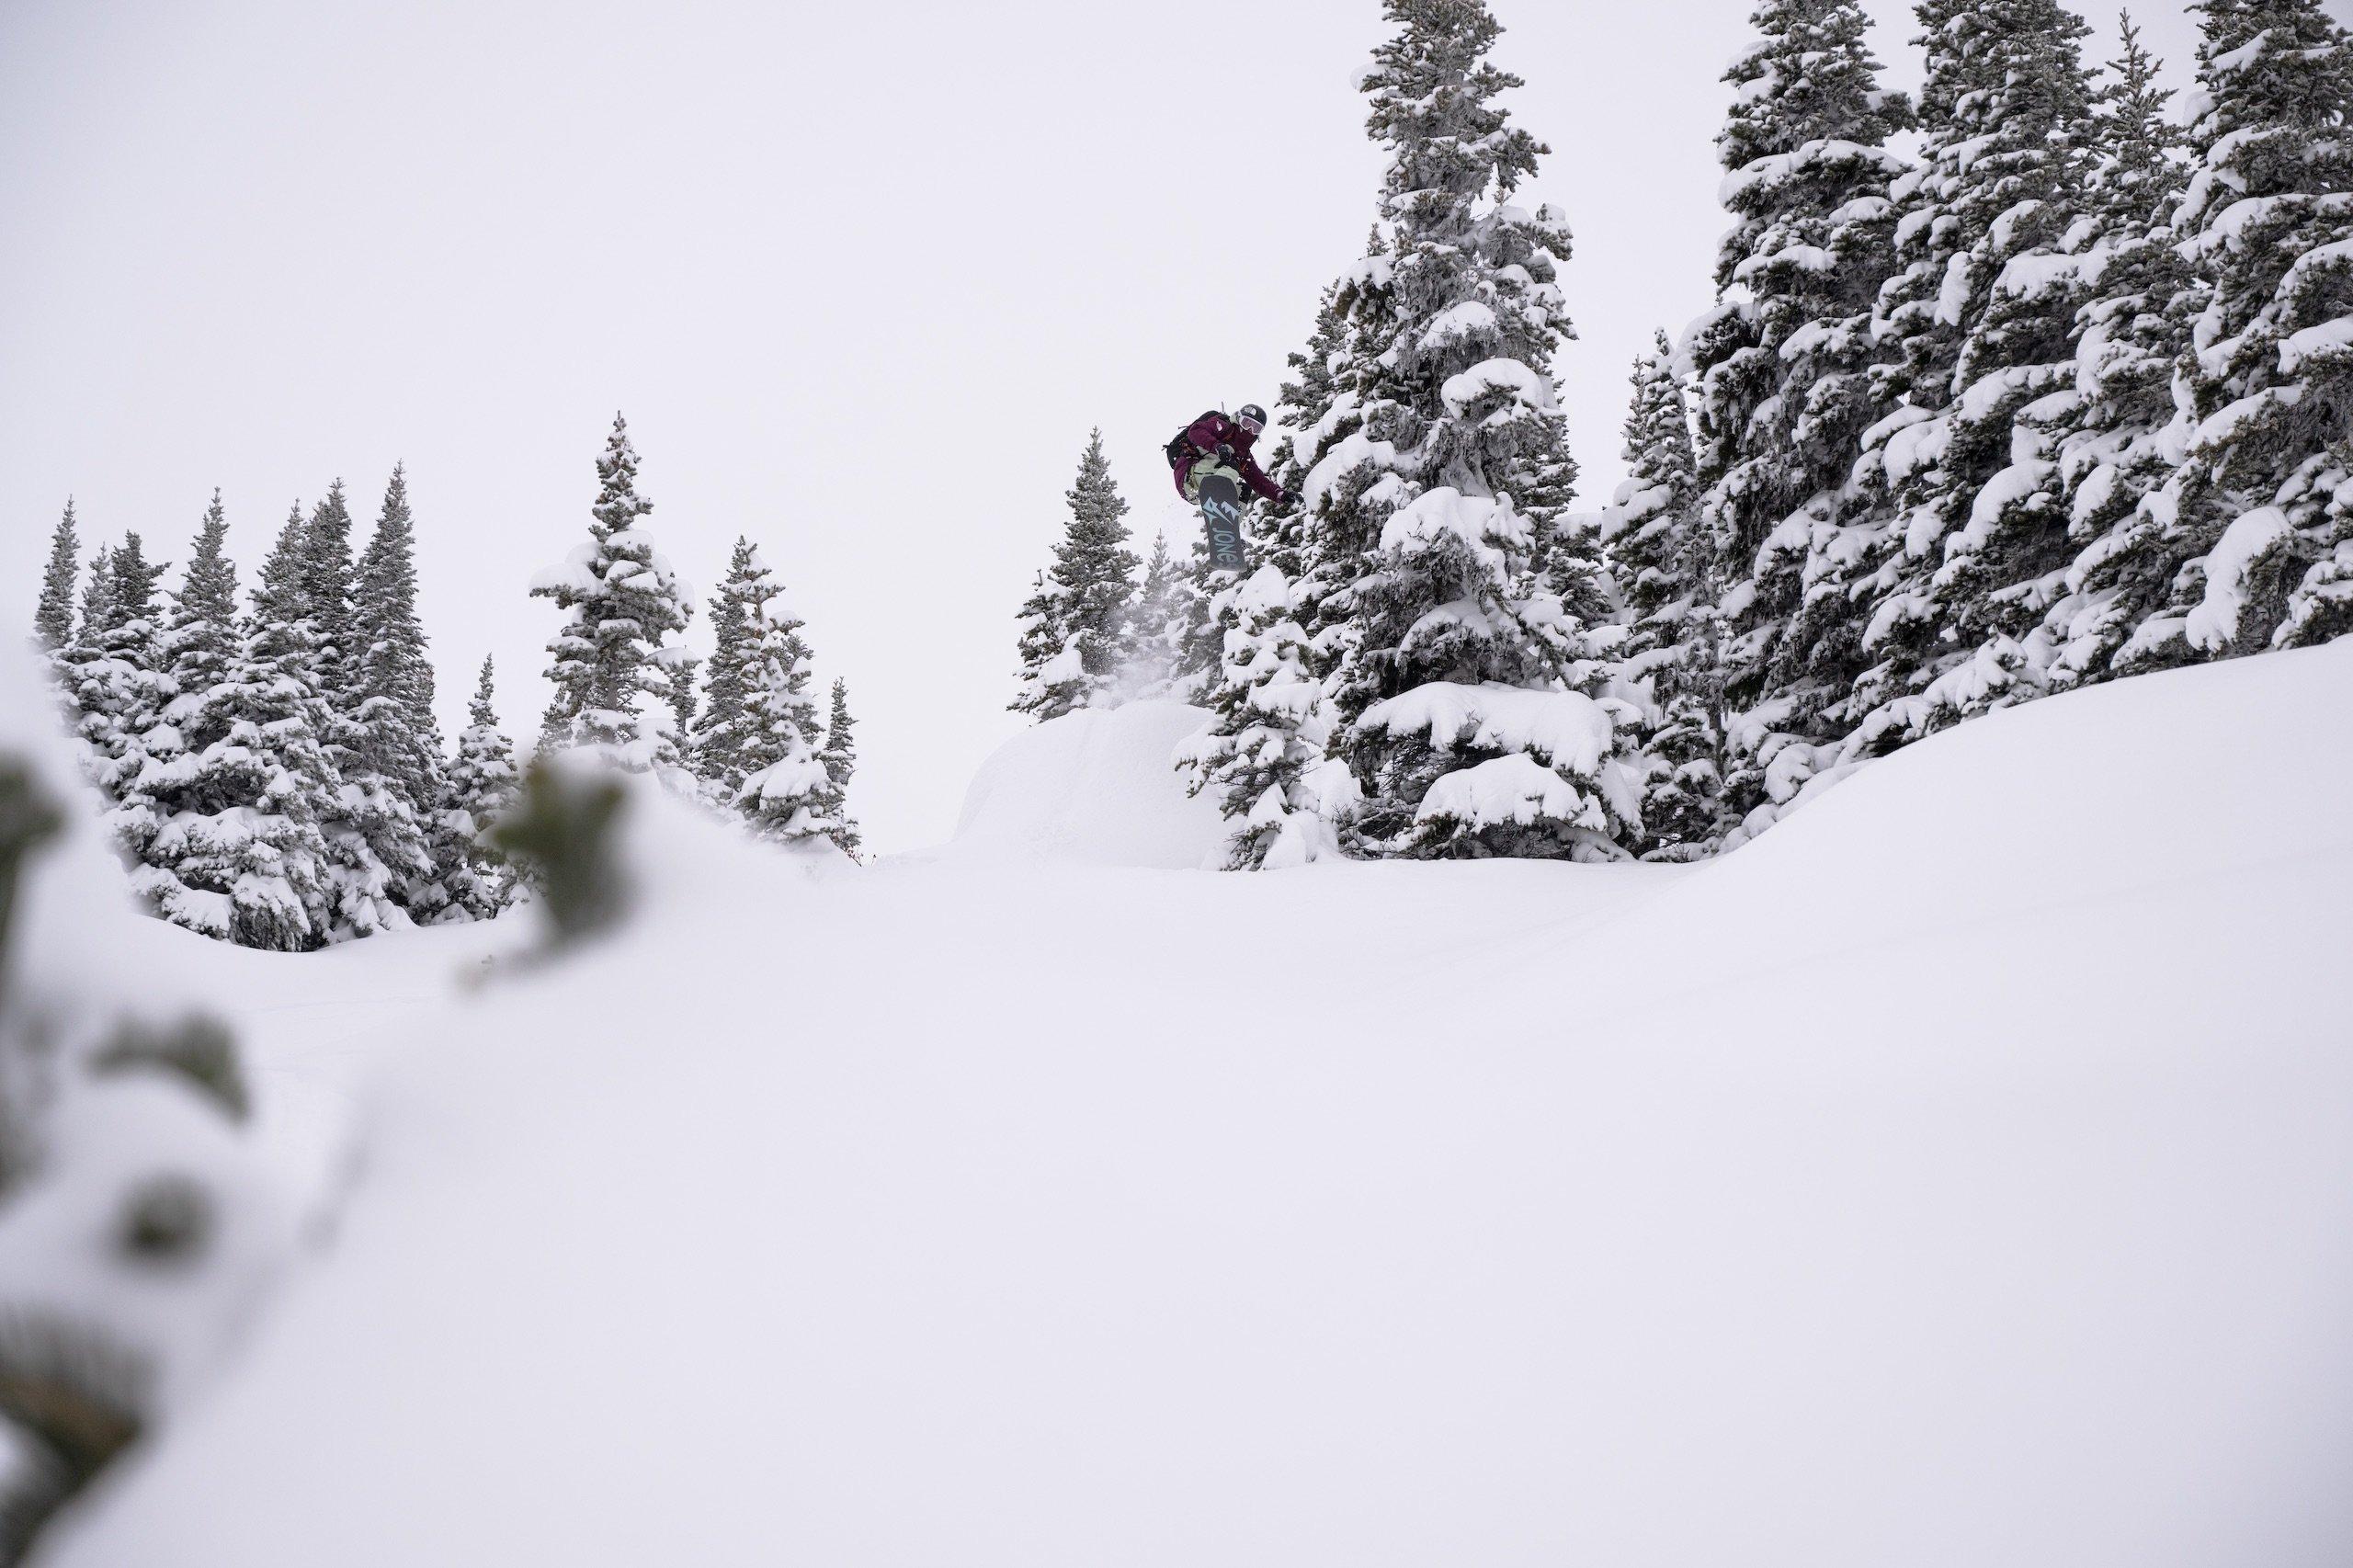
(1304, 414)
(53, 617)
(167, 796)
(1073, 627)
(1195, 640)
(1051, 673)
(1783, 363)
(684, 668)
(1157, 625)
(840, 757)
(786, 794)
(1664, 557)
(221, 812)
(395, 673)
(329, 585)
(2264, 506)
(2117, 437)
(81, 690)
(114, 687)
(393, 731)
(1263, 756)
(478, 785)
(1345, 499)
(624, 609)
(376, 833)
(1982, 316)
(305, 584)
(255, 777)
(1459, 678)
(717, 740)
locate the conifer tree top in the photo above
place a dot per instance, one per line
(1809, 78)
(53, 617)
(210, 588)
(2139, 145)
(479, 710)
(618, 505)
(2010, 70)
(1096, 530)
(1433, 96)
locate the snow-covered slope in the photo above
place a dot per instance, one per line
(1093, 788)
(1961, 1174)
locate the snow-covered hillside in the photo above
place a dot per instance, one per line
(1962, 1174)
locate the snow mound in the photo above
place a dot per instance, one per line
(1959, 1174)
(1095, 788)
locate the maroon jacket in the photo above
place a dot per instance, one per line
(1211, 431)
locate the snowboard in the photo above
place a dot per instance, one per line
(1222, 510)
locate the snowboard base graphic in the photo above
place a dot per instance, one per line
(1221, 511)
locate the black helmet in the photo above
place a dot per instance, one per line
(1251, 417)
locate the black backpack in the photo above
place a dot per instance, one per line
(1182, 446)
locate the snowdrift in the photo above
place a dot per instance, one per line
(1096, 787)
(2196, 778)
(1959, 1175)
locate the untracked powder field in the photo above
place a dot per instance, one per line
(1042, 1199)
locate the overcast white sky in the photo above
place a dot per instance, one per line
(862, 277)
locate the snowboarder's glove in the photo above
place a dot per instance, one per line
(1225, 450)
(1290, 500)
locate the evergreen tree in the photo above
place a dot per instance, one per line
(683, 667)
(1983, 314)
(478, 787)
(53, 619)
(1665, 557)
(197, 643)
(2138, 172)
(1306, 407)
(400, 738)
(840, 757)
(1264, 755)
(623, 606)
(114, 682)
(256, 866)
(1193, 637)
(369, 821)
(82, 682)
(303, 606)
(1074, 626)
(145, 740)
(2263, 507)
(2115, 439)
(1157, 625)
(719, 737)
(1458, 679)
(786, 791)
(1784, 367)
(218, 853)
(1343, 495)
(1052, 672)
(328, 585)
(394, 736)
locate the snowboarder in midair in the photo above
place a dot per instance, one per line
(1211, 461)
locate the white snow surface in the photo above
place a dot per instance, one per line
(1961, 1173)
(1096, 788)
